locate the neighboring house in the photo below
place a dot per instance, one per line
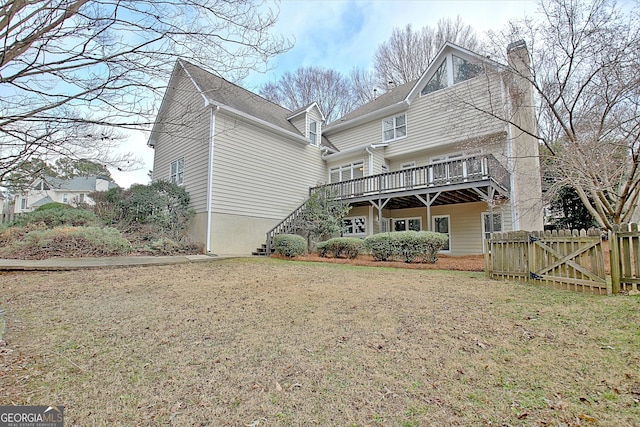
(74, 191)
(426, 155)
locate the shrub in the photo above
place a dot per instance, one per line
(430, 244)
(165, 246)
(406, 245)
(349, 247)
(68, 242)
(290, 245)
(380, 246)
(56, 215)
(160, 209)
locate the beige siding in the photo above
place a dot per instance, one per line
(441, 119)
(368, 133)
(300, 123)
(183, 131)
(258, 174)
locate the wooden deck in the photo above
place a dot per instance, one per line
(458, 181)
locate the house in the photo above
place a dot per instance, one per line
(433, 154)
(72, 191)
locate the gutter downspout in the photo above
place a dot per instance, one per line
(212, 129)
(367, 149)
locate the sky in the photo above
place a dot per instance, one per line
(341, 34)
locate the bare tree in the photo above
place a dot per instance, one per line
(72, 72)
(407, 53)
(583, 62)
(364, 86)
(306, 85)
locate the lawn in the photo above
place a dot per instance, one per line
(267, 342)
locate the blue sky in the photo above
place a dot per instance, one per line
(342, 34)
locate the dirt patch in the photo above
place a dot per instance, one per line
(445, 262)
(265, 342)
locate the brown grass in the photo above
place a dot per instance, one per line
(266, 342)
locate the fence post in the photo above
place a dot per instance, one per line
(487, 256)
(614, 260)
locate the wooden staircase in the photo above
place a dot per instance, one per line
(289, 225)
(262, 251)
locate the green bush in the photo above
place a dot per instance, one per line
(380, 246)
(56, 215)
(349, 247)
(408, 246)
(146, 212)
(290, 245)
(165, 246)
(68, 242)
(430, 244)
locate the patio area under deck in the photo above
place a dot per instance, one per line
(465, 180)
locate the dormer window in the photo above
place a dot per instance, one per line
(394, 127)
(313, 132)
(451, 71)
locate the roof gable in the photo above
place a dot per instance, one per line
(400, 97)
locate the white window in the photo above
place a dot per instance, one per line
(464, 70)
(313, 132)
(491, 224)
(65, 198)
(354, 226)
(394, 127)
(23, 204)
(406, 224)
(176, 174)
(346, 172)
(438, 80)
(384, 225)
(451, 71)
(441, 225)
(81, 197)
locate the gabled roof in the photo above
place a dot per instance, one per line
(399, 98)
(79, 183)
(218, 92)
(42, 201)
(393, 97)
(306, 109)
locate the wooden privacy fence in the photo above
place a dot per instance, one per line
(568, 259)
(624, 241)
(564, 259)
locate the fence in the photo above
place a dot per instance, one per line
(568, 259)
(625, 258)
(563, 259)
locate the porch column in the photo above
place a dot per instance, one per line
(428, 202)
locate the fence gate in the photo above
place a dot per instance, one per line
(566, 259)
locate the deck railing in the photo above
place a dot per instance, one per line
(469, 169)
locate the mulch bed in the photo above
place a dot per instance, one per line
(445, 262)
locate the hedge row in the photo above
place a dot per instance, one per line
(409, 246)
(348, 247)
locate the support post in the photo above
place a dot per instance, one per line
(614, 254)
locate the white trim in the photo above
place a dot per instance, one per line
(344, 167)
(394, 220)
(433, 228)
(395, 127)
(350, 151)
(484, 231)
(353, 218)
(212, 130)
